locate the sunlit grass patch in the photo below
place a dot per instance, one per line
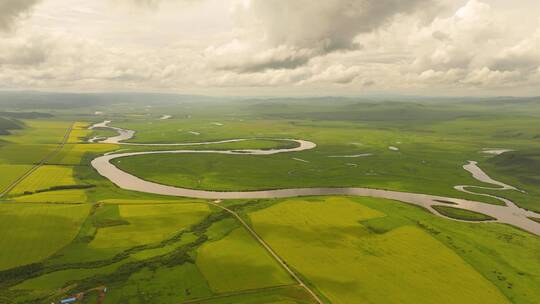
(72, 154)
(79, 132)
(45, 177)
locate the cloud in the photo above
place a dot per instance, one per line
(146, 2)
(452, 43)
(492, 78)
(475, 47)
(522, 56)
(24, 52)
(325, 25)
(65, 61)
(267, 46)
(11, 10)
(154, 4)
(336, 74)
(240, 58)
(310, 28)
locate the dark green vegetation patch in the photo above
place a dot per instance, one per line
(462, 214)
(7, 124)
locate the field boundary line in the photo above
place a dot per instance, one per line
(238, 293)
(40, 163)
(271, 252)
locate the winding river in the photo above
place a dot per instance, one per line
(507, 214)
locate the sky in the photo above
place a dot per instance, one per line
(272, 47)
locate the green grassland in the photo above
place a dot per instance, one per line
(51, 184)
(80, 133)
(72, 154)
(39, 132)
(44, 178)
(349, 249)
(371, 250)
(10, 173)
(101, 132)
(31, 232)
(147, 224)
(60, 196)
(236, 262)
(25, 154)
(263, 144)
(426, 162)
(522, 169)
(27, 146)
(155, 249)
(435, 140)
(160, 251)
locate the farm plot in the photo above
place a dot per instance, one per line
(238, 262)
(60, 196)
(79, 132)
(25, 154)
(348, 263)
(32, 232)
(10, 173)
(39, 132)
(148, 223)
(44, 178)
(72, 154)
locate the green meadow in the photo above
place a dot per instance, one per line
(347, 154)
(65, 229)
(10, 173)
(44, 178)
(385, 243)
(236, 262)
(32, 232)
